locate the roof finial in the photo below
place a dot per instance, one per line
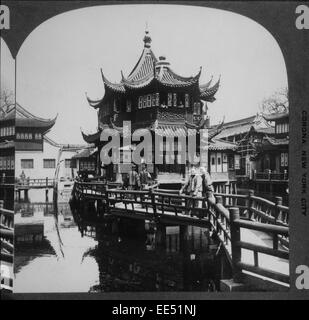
(147, 38)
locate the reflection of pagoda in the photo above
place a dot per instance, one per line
(153, 96)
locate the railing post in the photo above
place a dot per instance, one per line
(217, 212)
(235, 238)
(269, 174)
(278, 215)
(46, 181)
(249, 203)
(153, 202)
(285, 175)
(2, 218)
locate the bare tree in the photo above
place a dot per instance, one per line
(6, 99)
(277, 103)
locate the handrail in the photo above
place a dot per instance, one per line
(237, 245)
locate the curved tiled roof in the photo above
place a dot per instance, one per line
(94, 103)
(170, 78)
(91, 138)
(207, 93)
(144, 67)
(218, 144)
(276, 116)
(277, 141)
(149, 69)
(23, 118)
(205, 86)
(118, 87)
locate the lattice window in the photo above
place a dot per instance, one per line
(49, 163)
(175, 99)
(128, 106)
(187, 100)
(169, 99)
(157, 99)
(27, 163)
(148, 100)
(140, 102)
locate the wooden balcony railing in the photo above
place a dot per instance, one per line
(270, 176)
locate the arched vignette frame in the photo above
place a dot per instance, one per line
(276, 17)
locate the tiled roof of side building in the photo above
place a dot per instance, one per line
(7, 144)
(85, 153)
(23, 118)
(245, 125)
(218, 144)
(277, 141)
(276, 116)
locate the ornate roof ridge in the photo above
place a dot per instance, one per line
(178, 77)
(141, 62)
(206, 85)
(275, 115)
(114, 86)
(93, 103)
(29, 115)
(137, 83)
(208, 93)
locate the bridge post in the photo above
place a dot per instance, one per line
(235, 238)
(219, 202)
(249, 203)
(1, 204)
(153, 203)
(26, 198)
(285, 175)
(46, 195)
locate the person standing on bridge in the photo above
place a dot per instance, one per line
(22, 177)
(133, 179)
(206, 186)
(145, 177)
(191, 188)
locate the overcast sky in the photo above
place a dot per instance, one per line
(61, 60)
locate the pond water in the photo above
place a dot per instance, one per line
(105, 259)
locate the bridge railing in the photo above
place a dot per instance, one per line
(237, 245)
(219, 217)
(35, 182)
(6, 233)
(7, 180)
(257, 208)
(225, 219)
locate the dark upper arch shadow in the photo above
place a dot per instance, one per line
(25, 17)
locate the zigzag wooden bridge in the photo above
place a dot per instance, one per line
(253, 232)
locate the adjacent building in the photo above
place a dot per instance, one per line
(7, 155)
(248, 134)
(272, 160)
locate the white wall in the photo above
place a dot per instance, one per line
(63, 171)
(38, 171)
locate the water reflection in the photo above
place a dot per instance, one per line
(70, 257)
